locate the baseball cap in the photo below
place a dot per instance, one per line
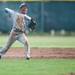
(23, 5)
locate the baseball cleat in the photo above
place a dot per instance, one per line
(27, 58)
(0, 56)
(0, 53)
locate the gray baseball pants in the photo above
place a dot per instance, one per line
(21, 37)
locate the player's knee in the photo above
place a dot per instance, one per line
(26, 42)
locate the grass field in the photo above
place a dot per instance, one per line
(46, 41)
(40, 66)
(37, 67)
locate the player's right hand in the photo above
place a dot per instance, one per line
(6, 11)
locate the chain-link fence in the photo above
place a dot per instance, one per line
(51, 15)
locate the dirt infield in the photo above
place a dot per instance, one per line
(42, 53)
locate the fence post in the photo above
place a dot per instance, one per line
(42, 16)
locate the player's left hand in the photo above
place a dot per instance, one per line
(32, 24)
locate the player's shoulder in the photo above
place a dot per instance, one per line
(20, 15)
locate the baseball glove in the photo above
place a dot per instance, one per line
(32, 25)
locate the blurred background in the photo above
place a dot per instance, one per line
(51, 16)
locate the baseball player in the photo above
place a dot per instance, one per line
(18, 31)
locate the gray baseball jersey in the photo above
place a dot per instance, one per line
(16, 22)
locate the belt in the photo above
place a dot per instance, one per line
(18, 30)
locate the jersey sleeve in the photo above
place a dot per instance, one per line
(27, 17)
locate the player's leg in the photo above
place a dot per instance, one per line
(23, 39)
(10, 41)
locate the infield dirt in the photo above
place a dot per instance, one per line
(42, 53)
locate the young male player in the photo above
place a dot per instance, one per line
(18, 31)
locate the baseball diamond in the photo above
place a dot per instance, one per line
(43, 32)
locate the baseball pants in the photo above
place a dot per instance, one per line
(21, 37)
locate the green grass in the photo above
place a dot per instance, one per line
(37, 67)
(44, 41)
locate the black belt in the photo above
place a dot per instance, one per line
(18, 30)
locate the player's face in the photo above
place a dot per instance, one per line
(24, 10)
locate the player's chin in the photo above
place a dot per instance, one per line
(23, 12)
